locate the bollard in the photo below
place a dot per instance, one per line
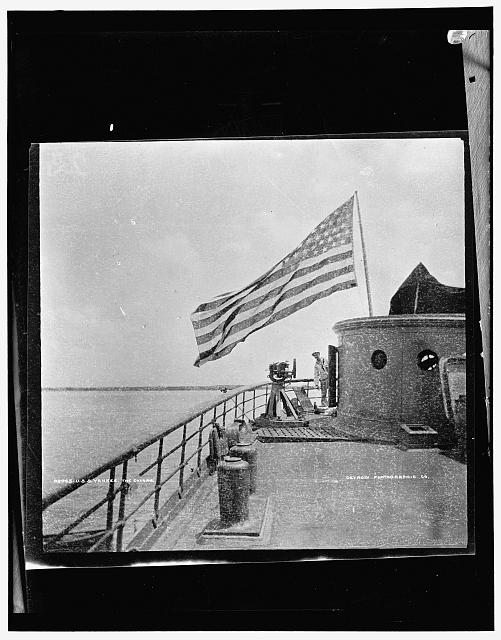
(233, 479)
(233, 431)
(248, 453)
(239, 431)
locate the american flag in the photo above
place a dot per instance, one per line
(322, 264)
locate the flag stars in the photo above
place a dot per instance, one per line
(332, 232)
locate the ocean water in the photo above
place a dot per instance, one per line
(82, 430)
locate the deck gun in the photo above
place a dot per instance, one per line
(280, 374)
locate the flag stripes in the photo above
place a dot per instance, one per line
(278, 277)
(252, 311)
(206, 356)
(321, 265)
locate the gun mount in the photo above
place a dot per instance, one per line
(280, 374)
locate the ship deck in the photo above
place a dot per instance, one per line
(337, 495)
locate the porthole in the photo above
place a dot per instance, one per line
(427, 360)
(379, 359)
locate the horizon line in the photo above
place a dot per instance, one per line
(159, 387)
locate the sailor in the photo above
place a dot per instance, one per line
(321, 375)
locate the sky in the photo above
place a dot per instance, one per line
(135, 235)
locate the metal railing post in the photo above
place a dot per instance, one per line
(121, 509)
(243, 405)
(199, 457)
(159, 477)
(109, 513)
(236, 405)
(181, 470)
(253, 404)
(224, 414)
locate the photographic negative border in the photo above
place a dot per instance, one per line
(23, 258)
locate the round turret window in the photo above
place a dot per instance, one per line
(427, 360)
(379, 359)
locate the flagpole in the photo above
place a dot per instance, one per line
(369, 299)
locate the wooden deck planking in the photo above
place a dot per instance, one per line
(298, 434)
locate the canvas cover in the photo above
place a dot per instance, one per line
(422, 293)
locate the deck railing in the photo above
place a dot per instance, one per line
(194, 427)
